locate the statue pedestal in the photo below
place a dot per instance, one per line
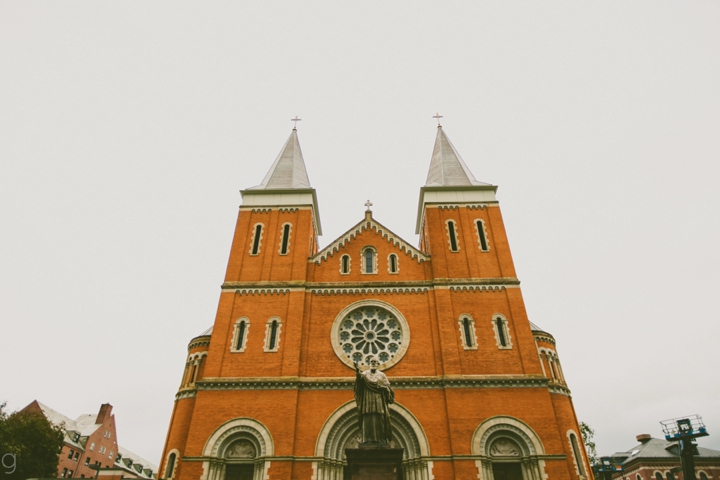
(374, 462)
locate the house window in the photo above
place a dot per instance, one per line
(240, 335)
(369, 260)
(272, 335)
(345, 264)
(257, 237)
(70, 473)
(111, 454)
(392, 263)
(87, 461)
(467, 332)
(77, 454)
(70, 455)
(285, 240)
(92, 446)
(452, 236)
(64, 473)
(576, 453)
(482, 235)
(502, 334)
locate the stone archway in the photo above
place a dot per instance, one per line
(238, 449)
(341, 430)
(508, 449)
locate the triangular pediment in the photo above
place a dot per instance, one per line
(369, 225)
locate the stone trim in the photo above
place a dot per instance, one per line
(577, 461)
(478, 288)
(347, 383)
(368, 225)
(252, 239)
(506, 331)
(349, 264)
(544, 337)
(268, 332)
(484, 232)
(363, 261)
(455, 231)
(264, 291)
(186, 393)
(236, 331)
(175, 465)
(199, 343)
(369, 291)
(389, 264)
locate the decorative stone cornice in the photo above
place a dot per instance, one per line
(186, 393)
(371, 288)
(369, 224)
(200, 342)
(559, 389)
(544, 337)
(400, 383)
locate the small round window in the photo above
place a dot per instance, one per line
(370, 329)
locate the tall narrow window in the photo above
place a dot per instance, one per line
(393, 263)
(368, 259)
(345, 264)
(578, 456)
(285, 242)
(482, 238)
(240, 335)
(658, 476)
(502, 335)
(256, 239)
(501, 331)
(466, 328)
(273, 335)
(452, 236)
(170, 466)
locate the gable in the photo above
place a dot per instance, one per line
(369, 225)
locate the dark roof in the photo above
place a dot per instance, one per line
(657, 448)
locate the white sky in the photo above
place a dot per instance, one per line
(127, 129)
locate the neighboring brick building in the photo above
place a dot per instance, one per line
(267, 392)
(658, 459)
(91, 441)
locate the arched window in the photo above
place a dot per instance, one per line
(170, 469)
(658, 476)
(240, 335)
(578, 456)
(467, 332)
(285, 239)
(669, 476)
(257, 237)
(345, 264)
(638, 477)
(452, 235)
(482, 235)
(502, 335)
(369, 260)
(703, 476)
(272, 335)
(393, 263)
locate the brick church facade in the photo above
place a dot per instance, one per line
(267, 392)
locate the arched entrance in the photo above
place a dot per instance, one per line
(341, 431)
(508, 449)
(238, 449)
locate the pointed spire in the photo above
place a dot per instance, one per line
(446, 167)
(288, 170)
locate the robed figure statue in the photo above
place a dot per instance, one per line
(373, 395)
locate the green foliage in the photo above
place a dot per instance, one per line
(29, 445)
(588, 433)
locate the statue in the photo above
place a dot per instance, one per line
(373, 395)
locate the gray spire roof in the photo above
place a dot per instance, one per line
(288, 170)
(446, 167)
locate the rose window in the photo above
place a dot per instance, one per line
(371, 331)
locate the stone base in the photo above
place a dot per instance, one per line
(374, 462)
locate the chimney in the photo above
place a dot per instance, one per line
(105, 411)
(643, 438)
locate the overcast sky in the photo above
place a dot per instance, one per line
(127, 129)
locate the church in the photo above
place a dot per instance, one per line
(267, 391)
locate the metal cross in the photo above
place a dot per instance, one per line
(368, 204)
(296, 119)
(438, 116)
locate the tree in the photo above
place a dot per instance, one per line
(588, 433)
(29, 445)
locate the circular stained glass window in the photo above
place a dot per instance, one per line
(370, 329)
